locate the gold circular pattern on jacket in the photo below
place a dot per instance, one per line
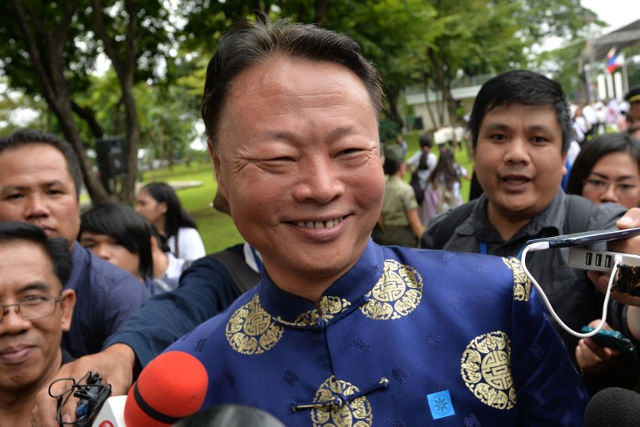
(521, 282)
(486, 370)
(396, 294)
(352, 413)
(251, 330)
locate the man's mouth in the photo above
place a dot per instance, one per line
(15, 355)
(515, 179)
(320, 224)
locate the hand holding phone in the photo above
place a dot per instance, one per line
(611, 339)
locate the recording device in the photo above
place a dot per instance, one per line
(171, 387)
(613, 406)
(611, 339)
(92, 396)
(586, 237)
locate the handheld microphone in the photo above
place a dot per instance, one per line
(613, 406)
(171, 387)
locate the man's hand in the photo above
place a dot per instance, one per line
(591, 357)
(115, 364)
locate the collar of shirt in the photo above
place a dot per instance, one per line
(343, 296)
(548, 222)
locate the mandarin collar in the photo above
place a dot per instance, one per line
(344, 295)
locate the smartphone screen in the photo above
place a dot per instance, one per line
(586, 237)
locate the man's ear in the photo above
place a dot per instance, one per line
(216, 168)
(67, 302)
(564, 163)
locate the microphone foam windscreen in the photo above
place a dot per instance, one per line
(171, 387)
(613, 406)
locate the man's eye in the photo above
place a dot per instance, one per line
(539, 139)
(596, 182)
(498, 136)
(350, 151)
(13, 196)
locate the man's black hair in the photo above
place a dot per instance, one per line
(126, 226)
(521, 87)
(392, 165)
(23, 137)
(175, 217)
(250, 43)
(56, 248)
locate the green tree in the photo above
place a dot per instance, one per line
(52, 47)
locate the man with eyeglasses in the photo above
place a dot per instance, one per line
(35, 310)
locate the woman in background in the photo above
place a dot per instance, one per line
(608, 170)
(120, 235)
(159, 203)
(443, 186)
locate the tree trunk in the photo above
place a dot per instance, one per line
(45, 52)
(125, 69)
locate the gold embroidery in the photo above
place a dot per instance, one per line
(354, 413)
(396, 294)
(327, 308)
(486, 370)
(251, 330)
(521, 283)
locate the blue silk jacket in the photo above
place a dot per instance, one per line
(407, 337)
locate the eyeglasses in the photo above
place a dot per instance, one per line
(598, 185)
(33, 307)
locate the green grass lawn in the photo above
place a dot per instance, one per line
(217, 229)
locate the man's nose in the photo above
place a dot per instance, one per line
(517, 150)
(318, 180)
(36, 205)
(12, 321)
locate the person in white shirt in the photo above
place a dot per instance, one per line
(159, 203)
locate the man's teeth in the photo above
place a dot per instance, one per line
(319, 224)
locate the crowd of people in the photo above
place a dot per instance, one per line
(329, 313)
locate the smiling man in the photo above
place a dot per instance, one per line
(35, 312)
(520, 128)
(340, 330)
